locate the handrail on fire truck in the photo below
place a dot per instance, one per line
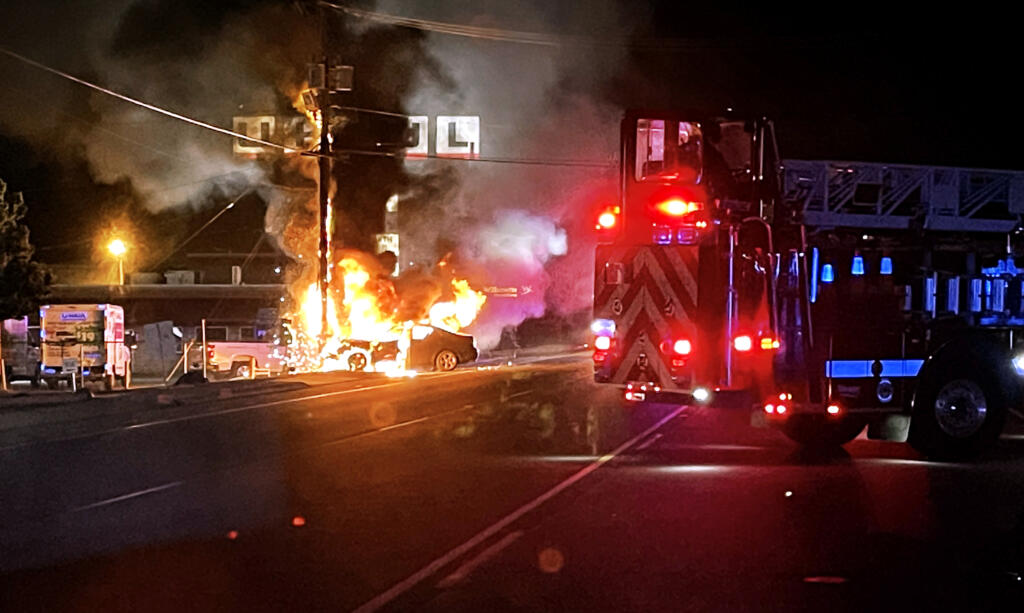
(903, 196)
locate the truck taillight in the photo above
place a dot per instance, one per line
(768, 343)
(679, 347)
(743, 342)
(209, 352)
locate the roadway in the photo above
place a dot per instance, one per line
(502, 488)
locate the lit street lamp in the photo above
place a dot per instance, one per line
(118, 249)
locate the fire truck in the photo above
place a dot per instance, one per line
(839, 295)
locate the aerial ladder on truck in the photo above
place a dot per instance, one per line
(840, 295)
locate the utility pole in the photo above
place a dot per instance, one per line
(325, 80)
(324, 95)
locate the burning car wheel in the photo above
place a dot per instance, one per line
(446, 360)
(357, 361)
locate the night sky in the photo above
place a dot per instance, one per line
(876, 83)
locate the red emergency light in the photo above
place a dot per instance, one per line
(602, 343)
(609, 218)
(677, 207)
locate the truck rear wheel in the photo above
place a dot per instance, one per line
(244, 368)
(958, 412)
(823, 431)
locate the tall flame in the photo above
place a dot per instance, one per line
(362, 305)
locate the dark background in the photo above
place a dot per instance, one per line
(844, 81)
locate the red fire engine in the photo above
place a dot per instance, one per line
(841, 295)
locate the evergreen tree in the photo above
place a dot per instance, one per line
(23, 281)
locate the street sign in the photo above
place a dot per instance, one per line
(418, 141)
(458, 136)
(70, 366)
(507, 292)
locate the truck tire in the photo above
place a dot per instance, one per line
(243, 368)
(817, 431)
(958, 411)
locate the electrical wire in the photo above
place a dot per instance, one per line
(533, 38)
(649, 43)
(145, 105)
(206, 225)
(512, 36)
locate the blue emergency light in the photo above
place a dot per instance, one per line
(827, 274)
(857, 268)
(885, 267)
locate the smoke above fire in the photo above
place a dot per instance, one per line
(501, 225)
(205, 60)
(520, 225)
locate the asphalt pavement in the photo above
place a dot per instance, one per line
(500, 488)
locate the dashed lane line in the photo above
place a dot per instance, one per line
(400, 588)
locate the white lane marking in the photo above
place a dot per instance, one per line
(262, 405)
(430, 569)
(648, 442)
(129, 496)
(432, 377)
(363, 434)
(1018, 414)
(467, 569)
(418, 420)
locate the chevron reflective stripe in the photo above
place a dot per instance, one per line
(861, 369)
(651, 294)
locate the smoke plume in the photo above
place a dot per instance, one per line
(522, 226)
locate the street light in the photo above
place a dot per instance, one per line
(118, 249)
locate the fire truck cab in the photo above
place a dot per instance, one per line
(840, 295)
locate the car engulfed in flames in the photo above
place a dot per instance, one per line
(366, 330)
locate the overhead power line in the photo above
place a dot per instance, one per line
(543, 39)
(532, 38)
(151, 107)
(206, 225)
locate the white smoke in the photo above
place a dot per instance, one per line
(219, 73)
(519, 225)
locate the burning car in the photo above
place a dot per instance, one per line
(431, 348)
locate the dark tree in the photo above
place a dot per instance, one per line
(23, 281)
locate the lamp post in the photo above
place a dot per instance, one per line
(118, 249)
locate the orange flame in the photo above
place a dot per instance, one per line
(461, 311)
(367, 312)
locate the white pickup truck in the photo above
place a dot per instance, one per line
(241, 359)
